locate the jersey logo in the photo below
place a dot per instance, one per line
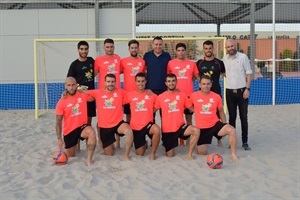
(173, 106)
(108, 103)
(140, 106)
(135, 70)
(75, 110)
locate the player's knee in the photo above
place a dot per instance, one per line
(196, 131)
(155, 130)
(202, 150)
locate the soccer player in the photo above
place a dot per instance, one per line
(130, 66)
(109, 63)
(172, 103)
(212, 67)
(185, 71)
(110, 122)
(142, 108)
(206, 103)
(71, 120)
(82, 69)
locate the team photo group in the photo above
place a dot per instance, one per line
(153, 83)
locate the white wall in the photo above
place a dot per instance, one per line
(19, 28)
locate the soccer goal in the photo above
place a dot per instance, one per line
(52, 58)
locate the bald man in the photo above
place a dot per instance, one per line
(71, 121)
(238, 78)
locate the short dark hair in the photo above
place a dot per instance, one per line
(157, 38)
(208, 42)
(141, 74)
(108, 40)
(133, 42)
(180, 44)
(171, 75)
(110, 76)
(205, 77)
(82, 43)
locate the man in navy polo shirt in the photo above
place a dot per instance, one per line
(156, 67)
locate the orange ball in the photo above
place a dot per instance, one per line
(60, 158)
(214, 161)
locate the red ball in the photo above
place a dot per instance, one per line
(60, 158)
(214, 161)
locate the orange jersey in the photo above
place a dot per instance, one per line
(130, 67)
(108, 65)
(109, 106)
(205, 108)
(172, 105)
(141, 107)
(184, 71)
(74, 111)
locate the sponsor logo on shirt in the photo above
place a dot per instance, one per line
(75, 110)
(134, 70)
(140, 106)
(173, 106)
(108, 103)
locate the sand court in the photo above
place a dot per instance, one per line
(269, 171)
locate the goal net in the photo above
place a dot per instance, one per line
(54, 56)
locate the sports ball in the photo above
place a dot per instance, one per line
(60, 158)
(214, 161)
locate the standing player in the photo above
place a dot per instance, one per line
(130, 66)
(109, 103)
(206, 103)
(109, 63)
(71, 120)
(172, 102)
(212, 67)
(82, 69)
(238, 79)
(185, 70)
(142, 107)
(156, 67)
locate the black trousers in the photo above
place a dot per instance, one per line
(234, 100)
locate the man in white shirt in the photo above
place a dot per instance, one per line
(238, 78)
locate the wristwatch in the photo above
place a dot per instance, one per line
(248, 89)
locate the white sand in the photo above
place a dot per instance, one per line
(269, 171)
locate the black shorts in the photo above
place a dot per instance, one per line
(127, 109)
(188, 112)
(170, 139)
(108, 134)
(91, 108)
(72, 138)
(139, 136)
(207, 133)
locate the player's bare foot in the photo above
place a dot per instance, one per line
(189, 157)
(234, 158)
(127, 157)
(152, 157)
(117, 145)
(220, 144)
(100, 146)
(78, 148)
(89, 162)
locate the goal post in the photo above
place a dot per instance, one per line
(52, 58)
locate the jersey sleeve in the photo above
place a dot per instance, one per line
(71, 71)
(195, 69)
(59, 108)
(157, 103)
